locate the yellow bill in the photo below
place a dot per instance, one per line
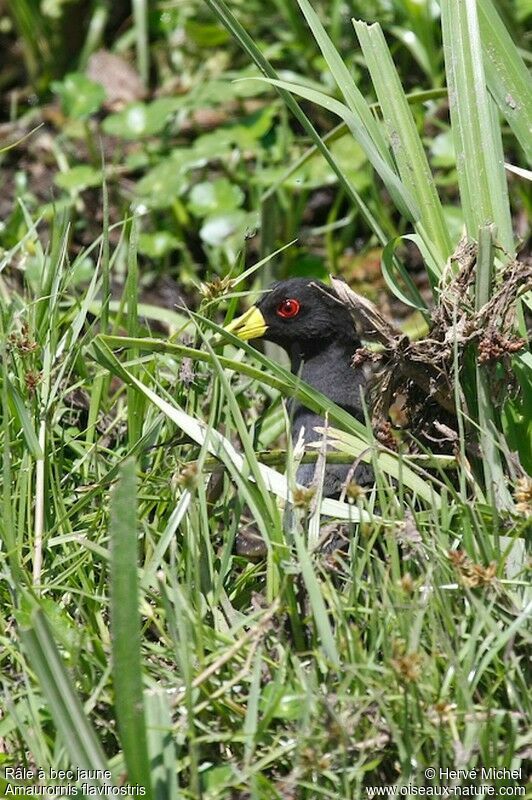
(251, 325)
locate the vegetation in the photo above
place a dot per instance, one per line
(146, 190)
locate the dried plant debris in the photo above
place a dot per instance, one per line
(421, 373)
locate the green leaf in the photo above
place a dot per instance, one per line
(508, 78)
(401, 196)
(125, 628)
(220, 227)
(142, 119)
(442, 150)
(216, 779)
(252, 127)
(78, 736)
(213, 197)
(476, 133)
(158, 244)
(353, 97)
(78, 178)
(80, 97)
(391, 266)
(205, 34)
(160, 187)
(28, 430)
(404, 139)
(161, 744)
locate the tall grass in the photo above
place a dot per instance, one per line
(134, 640)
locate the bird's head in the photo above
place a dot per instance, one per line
(298, 312)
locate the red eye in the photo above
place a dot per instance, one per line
(288, 308)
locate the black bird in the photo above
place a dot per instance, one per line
(308, 320)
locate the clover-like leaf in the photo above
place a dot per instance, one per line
(211, 197)
(157, 244)
(78, 178)
(80, 96)
(216, 230)
(142, 119)
(161, 185)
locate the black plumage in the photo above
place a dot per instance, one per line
(307, 319)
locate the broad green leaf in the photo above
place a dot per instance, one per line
(160, 187)
(442, 150)
(78, 178)
(158, 244)
(218, 228)
(205, 34)
(142, 119)
(215, 197)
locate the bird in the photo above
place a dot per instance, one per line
(309, 321)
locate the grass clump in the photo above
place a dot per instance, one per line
(136, 642)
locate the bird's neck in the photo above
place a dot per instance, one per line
(328, 369)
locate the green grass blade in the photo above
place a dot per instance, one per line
(503, 637)
(217, 444)
(240, 425)
(7, 523)
(317, 603)
(353, 97)
(26, 425)
(491, 462)
(395, 274)
(126, 630)
(403, 137)
(252, 710)
(161, 745)
(140, 17)
(274, 375)
(135, 405)
(390, 463)
(400, 194)
(477, 138)
(507, 76)
(77, 735)
(224, 14)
